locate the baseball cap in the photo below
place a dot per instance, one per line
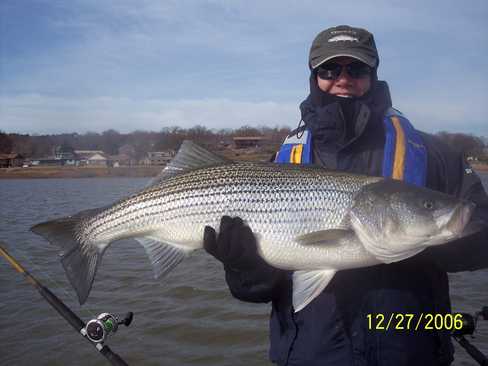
(343, 40)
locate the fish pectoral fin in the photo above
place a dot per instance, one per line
(307, 285)
(396, 256)
(323, 237)
(162, 255)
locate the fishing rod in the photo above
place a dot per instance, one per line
(468, 327)
(95, 331)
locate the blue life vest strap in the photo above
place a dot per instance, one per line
(296, 149)
(405, 156)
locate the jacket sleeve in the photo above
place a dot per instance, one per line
(450, 173)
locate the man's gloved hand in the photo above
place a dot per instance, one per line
(249, 277)
(235, 245)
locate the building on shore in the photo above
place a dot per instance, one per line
(89, 158)
(95, 158)
(128, 150)
(98, 160)
(12, 160)
(47, 162)
(158, 157)
(64, 152)
(121, 160)
(243, 142)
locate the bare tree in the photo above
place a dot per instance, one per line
(467, 144)
(6, 143)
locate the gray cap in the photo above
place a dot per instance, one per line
(343, 40)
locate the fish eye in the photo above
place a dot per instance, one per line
(429, 205)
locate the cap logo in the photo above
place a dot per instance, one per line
(343, 37)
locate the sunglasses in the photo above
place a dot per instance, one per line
(332, 70)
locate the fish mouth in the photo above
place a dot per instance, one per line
(460, 218)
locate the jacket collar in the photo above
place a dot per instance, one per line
(338, 121)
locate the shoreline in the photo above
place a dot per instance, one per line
(107, 172)
(480, 168)
(79, 172)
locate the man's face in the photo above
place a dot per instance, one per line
(345, 85)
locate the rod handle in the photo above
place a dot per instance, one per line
(112, 357)
(473, 351)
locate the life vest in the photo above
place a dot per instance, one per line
(405, 155)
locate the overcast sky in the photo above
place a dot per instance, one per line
(93, 65)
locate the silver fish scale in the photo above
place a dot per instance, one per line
(278, 202)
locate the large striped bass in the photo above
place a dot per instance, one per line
(306, 219)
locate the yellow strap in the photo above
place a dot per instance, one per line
(399, 162)
(296, 154)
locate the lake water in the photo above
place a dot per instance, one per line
(189, 318)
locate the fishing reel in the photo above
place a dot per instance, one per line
(97, 330)
(469, 322)
(468, 328)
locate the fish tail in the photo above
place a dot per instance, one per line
(79, 259)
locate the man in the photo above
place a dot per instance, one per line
(350, 126)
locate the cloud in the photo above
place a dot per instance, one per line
(441, 115)
(46, 114)
(43, 115)
(220, 62)
(448, 102)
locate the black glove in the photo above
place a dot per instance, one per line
(249, 277)
(235, 246)
(468, 253)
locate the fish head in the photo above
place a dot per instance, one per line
(397, 220)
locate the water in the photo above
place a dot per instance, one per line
(188, 319)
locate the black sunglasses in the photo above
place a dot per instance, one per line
(332, 70)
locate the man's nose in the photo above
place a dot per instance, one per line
(344, 77)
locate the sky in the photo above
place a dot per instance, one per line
(94, 65)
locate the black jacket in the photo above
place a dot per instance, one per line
(333, 328)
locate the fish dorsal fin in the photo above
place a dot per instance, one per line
(190, 156)
(324, 237)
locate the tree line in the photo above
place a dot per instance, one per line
(136, 143)
(141, 142)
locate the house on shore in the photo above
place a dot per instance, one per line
(243, 142)
(47, 162)
(92, 158)
(68, 157)
(64, 152)
(12, 160)
(158, 157)
(121, 160)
